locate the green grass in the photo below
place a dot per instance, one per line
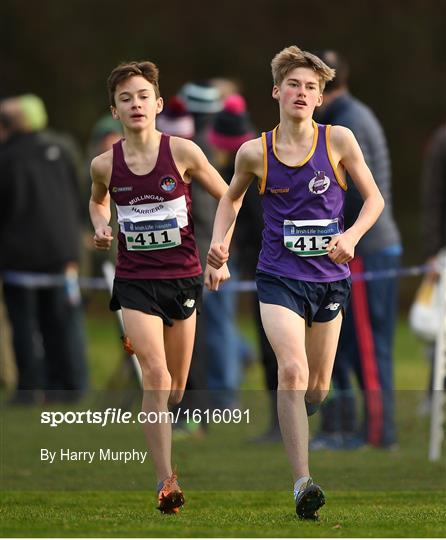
(233, 489)
(208, 514)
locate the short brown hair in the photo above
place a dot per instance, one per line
(292, 57)
(124, 71)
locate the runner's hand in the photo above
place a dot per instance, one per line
(103, 238)
(218, 254)
(213, 277)
(341, 248)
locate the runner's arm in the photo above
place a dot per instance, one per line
(352, 159)
(231, 202)
(198, 168)
(99, 205)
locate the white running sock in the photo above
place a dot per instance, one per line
(299, 483)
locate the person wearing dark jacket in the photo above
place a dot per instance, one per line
(366, 342)
(39, 234)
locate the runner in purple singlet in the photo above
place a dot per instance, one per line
(302, 275)
(158, 277)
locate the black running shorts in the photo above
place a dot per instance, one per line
(319, 302)
(169, 299)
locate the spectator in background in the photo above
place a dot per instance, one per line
(105, 133)
(225, 347)
(433, 222)
(175, 120)
(39, 233)
(366, 341)
(204, 101)
(433, 185)
(226, 87)
(247, 238)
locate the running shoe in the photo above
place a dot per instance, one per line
(309, 499)
(170, 496)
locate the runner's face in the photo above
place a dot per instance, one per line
(136, 103)
(299, 93)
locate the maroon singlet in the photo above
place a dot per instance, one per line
(156, 232)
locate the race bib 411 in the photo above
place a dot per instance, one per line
(152, 234)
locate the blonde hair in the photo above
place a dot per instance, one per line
(292, 57)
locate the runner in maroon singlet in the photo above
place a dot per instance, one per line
(158, 277)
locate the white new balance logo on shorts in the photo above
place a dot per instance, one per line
(333, 306)
(190, 303)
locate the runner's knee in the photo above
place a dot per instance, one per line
(155, 376)
(293, 376)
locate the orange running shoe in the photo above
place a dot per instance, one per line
(128, 348)
(170, 496)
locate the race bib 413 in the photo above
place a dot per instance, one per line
(309, 238)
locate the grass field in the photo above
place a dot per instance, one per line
(235, 514)
(233, 489)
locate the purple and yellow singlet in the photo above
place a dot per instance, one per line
(302, 211)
